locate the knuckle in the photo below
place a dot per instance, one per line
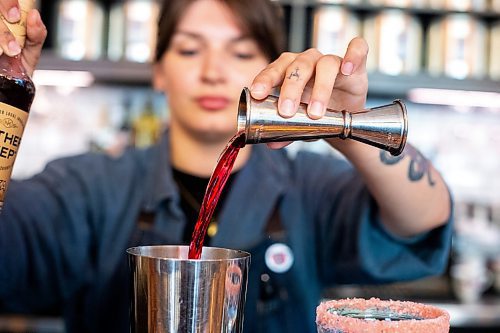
(287, 56)
(265, 78)
(356, 53)
(329, 60)
(359, 39)
(314, 51)
(303, 62)
(359, 46)
(7, 36)
(270, 73)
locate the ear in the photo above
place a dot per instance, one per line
(158, 77)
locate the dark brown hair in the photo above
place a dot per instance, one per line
(262, 20)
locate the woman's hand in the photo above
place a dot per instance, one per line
(35, 30)
(320, 80)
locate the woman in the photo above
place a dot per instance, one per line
(63, 233)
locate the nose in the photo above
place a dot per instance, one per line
(213, 68)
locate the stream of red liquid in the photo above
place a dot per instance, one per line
(214, 188)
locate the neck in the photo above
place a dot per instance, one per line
(198, 157)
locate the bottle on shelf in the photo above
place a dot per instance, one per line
(125, 130)
(122, 137)
(494, 51)
(395, 39)
(466, 5)
(132, 30)
(334, 27)
(103, 139)
(146, 127)
(17, 92)
(79, 29)
(457, 46)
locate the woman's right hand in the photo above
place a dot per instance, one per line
(36, 32)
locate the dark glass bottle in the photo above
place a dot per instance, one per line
(17, 92)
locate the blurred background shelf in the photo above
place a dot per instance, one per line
(480, 8)
(112, 59)
(124, 72)
(104, 71)
(399, 85)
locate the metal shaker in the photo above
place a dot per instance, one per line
(385, 126)
(174, 294)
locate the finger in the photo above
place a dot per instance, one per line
(36, 32)
(355, 57)
(10, 10)
(8, 43)
(271, 76)
(327, 69)
(298, 74)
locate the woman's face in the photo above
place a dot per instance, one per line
(203, 71)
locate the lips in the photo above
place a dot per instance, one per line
(213, 103)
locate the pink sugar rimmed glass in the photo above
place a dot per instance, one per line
(358, 315)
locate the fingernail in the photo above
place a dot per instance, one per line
(316, 109)
(347, 68)
(287, 108)
(257, 88)
(14, 14)
(14, 47)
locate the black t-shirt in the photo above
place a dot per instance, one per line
(192, 190)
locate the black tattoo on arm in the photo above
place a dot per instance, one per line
(419, 165)
(294, 74)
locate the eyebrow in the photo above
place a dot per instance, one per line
(200, 37)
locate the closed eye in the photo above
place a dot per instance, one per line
(245, 56)
(188, 52)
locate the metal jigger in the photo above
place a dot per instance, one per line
(173, 294)
(385, 127)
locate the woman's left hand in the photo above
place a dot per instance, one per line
(321, 80)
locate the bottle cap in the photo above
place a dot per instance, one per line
(18, 29)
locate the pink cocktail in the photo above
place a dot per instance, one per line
(357, 315)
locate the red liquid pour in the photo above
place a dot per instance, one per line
(214, 188)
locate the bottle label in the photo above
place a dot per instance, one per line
(18, 29)
(12, 123)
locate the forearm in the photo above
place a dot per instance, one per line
(410, 193)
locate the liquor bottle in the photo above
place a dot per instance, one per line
(16, 95)
(79, 29)
(132, 30)
(146, 128)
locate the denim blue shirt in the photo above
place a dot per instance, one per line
(64, 232)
